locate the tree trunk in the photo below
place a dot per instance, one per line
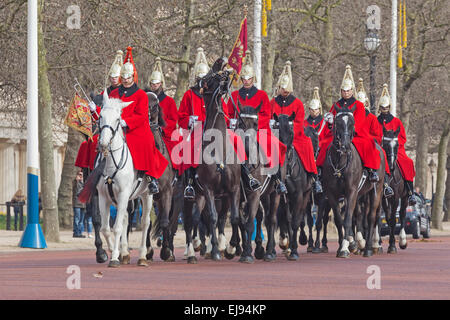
(47, 168)
(422, 143)
(183, 72)
(65, 209)
(267, 83)
(437, 210)
(447, 190)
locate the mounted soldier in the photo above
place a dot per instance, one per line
(286, 103)
(273, 149)
(157, 84)
(389, 122)
(147, 159)
(192, 112)
(315, 118)
(362, 141)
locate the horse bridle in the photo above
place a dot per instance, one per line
(346, 133)
(393, 155)
(338, 172)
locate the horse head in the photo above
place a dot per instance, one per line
(109, 121)
(217, 80)
(155, 112)
(343, 130)
(249, 116)
(284, 124)
(390, 145)
(314, 136)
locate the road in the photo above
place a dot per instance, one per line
(422, 271)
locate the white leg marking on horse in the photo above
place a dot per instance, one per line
(283, 241)
(344, 246)
(402, 236)
(360, 240)
(376, 238)
(190, 250)
(230, 249)
(196, 242)
(222, 242)
(209, 246)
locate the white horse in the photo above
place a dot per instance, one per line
(120, 184)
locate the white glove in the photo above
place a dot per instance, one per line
(192, 120)
(92, 106)
(233, 123)
(271, 123)
(328, 117)
(123, 123)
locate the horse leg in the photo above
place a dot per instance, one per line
(310, 221)
(371, 222)
(361, 214)
(231, 248)
(391, 218)
(147, 202)
(221, 226)
(339, 226)
(100, 254)
(211, 206)
(402, 236)
(165, 200)
(124, 256)
(320, 221)
(196, 215)
(252, 206)
(259, 250)
(118, 229)
(271, 222)
(105, 229)
(284, 218)
(187, 212)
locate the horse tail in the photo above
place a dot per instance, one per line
(91, 183)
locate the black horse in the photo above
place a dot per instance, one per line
(397, 183)
(342, 175)
(297, 181)
(216, 179)
(262, 202)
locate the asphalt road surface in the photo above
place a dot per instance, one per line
(422, 271)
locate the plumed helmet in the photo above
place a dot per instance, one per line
(385, 99)
(247, 71)
(157, 75)
(361, 94)
(128, 69)
(315, 103)
(285, 80)
(114, 71)
(348, 82)
(201, 67)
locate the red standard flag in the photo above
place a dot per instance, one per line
(79, 116)
(240, 46)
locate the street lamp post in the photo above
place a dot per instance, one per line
(371, 43)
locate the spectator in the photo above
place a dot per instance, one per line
(87, 225)
(16, 199)
(419, 194)
(79, 208)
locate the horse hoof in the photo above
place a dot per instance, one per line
(269, 258)
(101, 257)
(199, 248)
(125, 260)
(343, 254)
(392, 249)
(309, 249)
(238, 250)
(142, 263)
(114, 264)
(316, 250)
(228, 256)
(352, 247)
(404, 246)
(165, 254)
(149, 255)
(324, 249)
(216, 257)
(380, 250)
(368, 253)
(192, 260)
(283, 247)
(259, 253)
(293, 257)
(247, 259)
(375, 250)
(207, 255)
(303, 239)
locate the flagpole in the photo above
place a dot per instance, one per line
(393, 66)
(257, 42)
(33, 236)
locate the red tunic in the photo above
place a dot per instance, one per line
(139, 136)
(376, 132)
(362, 141)
(192, 104)
(404, 162)
(170, 115)
(301, 143)
(274, 150)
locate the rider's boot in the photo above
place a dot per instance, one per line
(373, 175)
(280, 186)
(252, 183)
(153, 186)
(388, 192)
(411, 197)
(316, 185)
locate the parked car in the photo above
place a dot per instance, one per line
(417, 221)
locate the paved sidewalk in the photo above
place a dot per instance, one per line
(9, 240)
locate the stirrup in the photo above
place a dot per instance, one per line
(388, 192)
(189, 192)
(253, 183)
(281, 187)
(153, 186)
